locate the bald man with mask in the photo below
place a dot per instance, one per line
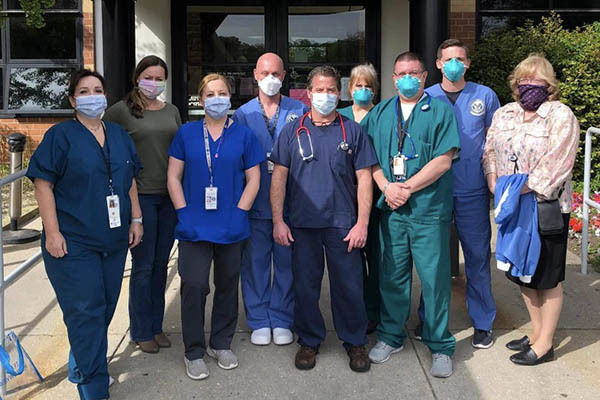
(268, 297)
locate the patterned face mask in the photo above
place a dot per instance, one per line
(531, 97)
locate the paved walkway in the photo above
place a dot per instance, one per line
(268, 372)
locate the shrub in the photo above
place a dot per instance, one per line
(575, 56)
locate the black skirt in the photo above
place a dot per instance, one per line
(550, 270)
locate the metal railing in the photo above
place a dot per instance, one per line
(5, 282)
(587, 201)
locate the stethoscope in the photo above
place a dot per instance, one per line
(425, 107)
(344, 146)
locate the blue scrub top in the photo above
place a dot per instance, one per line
(474, 110)
(321, 193)
(250, 114)
(69, 157)
(239, 151)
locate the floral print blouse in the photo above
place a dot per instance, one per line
(543, 147)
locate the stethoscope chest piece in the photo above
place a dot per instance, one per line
(344, 146)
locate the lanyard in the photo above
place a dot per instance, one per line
(271, 124)
(207, 149)
(105, 156)
(401, 133)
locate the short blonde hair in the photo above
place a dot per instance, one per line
(534, 64)
(366, 71)
(212, 77)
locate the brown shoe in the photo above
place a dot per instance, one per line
(359, 360)
(148, 346)
(162, 340)
(306, 358)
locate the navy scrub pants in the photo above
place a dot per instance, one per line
(345, 283)
(87, 285)
(269, 303)
(195, 259)
(149, 261)
(472, 221)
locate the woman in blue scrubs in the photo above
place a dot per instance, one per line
(213, 178)
(83, 172)
(362, 87)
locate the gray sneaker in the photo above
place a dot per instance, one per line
(441, 365)
(225, 358)
(382, 351)
(196, 369)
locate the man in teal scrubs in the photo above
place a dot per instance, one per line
(416, 138)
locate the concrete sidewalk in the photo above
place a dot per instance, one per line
(269, 373)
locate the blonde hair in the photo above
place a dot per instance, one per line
(366, 71)
(534, 65)
(212, 77)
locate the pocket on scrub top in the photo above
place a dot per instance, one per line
(342, 163)
(184, 227)
(240, 225)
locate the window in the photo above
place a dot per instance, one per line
(324, 35)
(228, 41)
(498, 15)
(35, 64)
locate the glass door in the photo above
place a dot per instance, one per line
(228, 41)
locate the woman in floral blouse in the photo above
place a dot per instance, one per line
(537, 135)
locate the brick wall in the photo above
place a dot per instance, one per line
(35, 127)
(462, 21)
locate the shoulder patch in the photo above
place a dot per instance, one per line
(477, 107)
(291, 117)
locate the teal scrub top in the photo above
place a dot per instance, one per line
(348, 113)
(433, 131)
(69, 157)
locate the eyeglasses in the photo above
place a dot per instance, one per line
(411, 73)
(528, 81)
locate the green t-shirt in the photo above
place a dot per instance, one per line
(433, 131)
(152, 135)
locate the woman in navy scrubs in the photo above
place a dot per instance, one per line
(218, 160)
(83, 172)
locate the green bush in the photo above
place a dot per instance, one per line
(575, 56)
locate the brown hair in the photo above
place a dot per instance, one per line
(212, 77)
(534, 64)
(410, 56)
(134, 100)
(452, 43)
(326, 71)
(78, 75)
(366, 71)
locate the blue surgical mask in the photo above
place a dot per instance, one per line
(454, 69)
(91, 106)
(362, 96)
(408, 86)
(217, 107)
(324, 103)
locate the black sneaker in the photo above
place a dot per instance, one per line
(482, 339)
(419, 331)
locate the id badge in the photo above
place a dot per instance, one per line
(114, 212)
(399, 166)
(210, 198)
(270, 164)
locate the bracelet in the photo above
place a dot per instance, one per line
(385, 187)
(138, 220)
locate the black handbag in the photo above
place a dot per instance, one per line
(550, 218)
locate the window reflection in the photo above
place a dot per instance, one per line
(58, 5)
(57, 40)
(228, 41)
(33, 89)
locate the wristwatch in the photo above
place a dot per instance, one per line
(138, 220)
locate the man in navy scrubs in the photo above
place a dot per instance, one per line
(323, 165)
(269, 304)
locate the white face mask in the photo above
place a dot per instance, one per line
(269, 85)
(324, 103)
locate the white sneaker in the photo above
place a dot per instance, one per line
(261, 337)
(282, 336)
(111, 381)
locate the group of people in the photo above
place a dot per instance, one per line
(268, 193)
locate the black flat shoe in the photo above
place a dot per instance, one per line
(528, 357)
(519, 344)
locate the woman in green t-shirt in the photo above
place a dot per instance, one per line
(152, 125)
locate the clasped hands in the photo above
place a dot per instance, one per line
(397, 194)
